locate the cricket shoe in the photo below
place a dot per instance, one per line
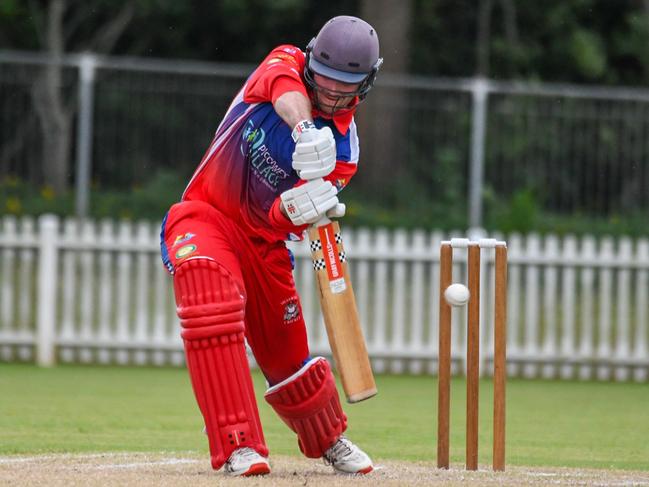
(345, 457)
(244, 462)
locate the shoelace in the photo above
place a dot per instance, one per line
(339, 450)
(246, 453)
(241, 453)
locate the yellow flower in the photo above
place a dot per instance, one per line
(13, 205)
(47, 192)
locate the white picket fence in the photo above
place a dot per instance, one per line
(96, 292)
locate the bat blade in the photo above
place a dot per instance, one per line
(340, 312)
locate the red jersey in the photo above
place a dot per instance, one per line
(249, 162)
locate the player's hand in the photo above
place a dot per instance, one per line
(311, 201)
(315, 151)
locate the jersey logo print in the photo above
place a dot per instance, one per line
(262, 163)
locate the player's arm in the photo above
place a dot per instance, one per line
(279, 73)
(293, 107)
(315, 149)
(278, 80)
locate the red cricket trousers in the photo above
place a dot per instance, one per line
(275, 329)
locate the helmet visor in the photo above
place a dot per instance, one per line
(328, 72)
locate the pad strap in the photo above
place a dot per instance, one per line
(210, 306)
(308, 403)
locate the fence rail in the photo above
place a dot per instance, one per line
(96, 292)
(475, 145)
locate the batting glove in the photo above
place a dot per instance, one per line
(310, 202)
(315, 150)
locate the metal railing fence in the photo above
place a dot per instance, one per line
(468, 144)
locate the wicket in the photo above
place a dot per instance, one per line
(473, 351)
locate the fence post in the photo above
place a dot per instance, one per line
(479, 91)
(46, 298)
(87, 68)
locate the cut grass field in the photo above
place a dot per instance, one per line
(75, 409)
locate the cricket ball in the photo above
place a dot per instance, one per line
(457, 294)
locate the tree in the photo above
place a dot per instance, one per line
(382, 120)
(57, 25)
(200, 29)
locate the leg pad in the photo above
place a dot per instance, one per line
(308, 403)
(210, 306)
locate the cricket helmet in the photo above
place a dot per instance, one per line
(347, 50)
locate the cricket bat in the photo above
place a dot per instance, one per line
(339, 310)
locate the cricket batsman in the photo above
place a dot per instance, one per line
(284, 150)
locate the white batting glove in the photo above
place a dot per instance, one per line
(315, 150)
(337, 211)
(310, 202)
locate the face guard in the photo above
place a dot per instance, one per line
(357, 96)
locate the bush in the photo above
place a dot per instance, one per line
(149, 201)
(20, 198)
(521, 213)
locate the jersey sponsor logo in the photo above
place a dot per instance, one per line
(183, 238)
(252, 136)
(280, 56)
(262, 163)
(185, 251)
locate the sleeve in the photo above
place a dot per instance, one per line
(342, 173)
(279, 73)
(348, 152)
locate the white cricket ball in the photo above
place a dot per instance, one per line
(457, 294)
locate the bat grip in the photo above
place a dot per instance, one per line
(321, 222)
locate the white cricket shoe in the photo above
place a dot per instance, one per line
(345, 457)
(245, 462)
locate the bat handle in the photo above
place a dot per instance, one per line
(321, 222)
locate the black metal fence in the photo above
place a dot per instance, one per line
(473, 149)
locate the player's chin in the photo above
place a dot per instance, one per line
(331, 110)
(327, 109)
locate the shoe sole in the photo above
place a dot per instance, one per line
(257, 469)
(363, 471)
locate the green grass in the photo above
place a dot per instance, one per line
(549, 423)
